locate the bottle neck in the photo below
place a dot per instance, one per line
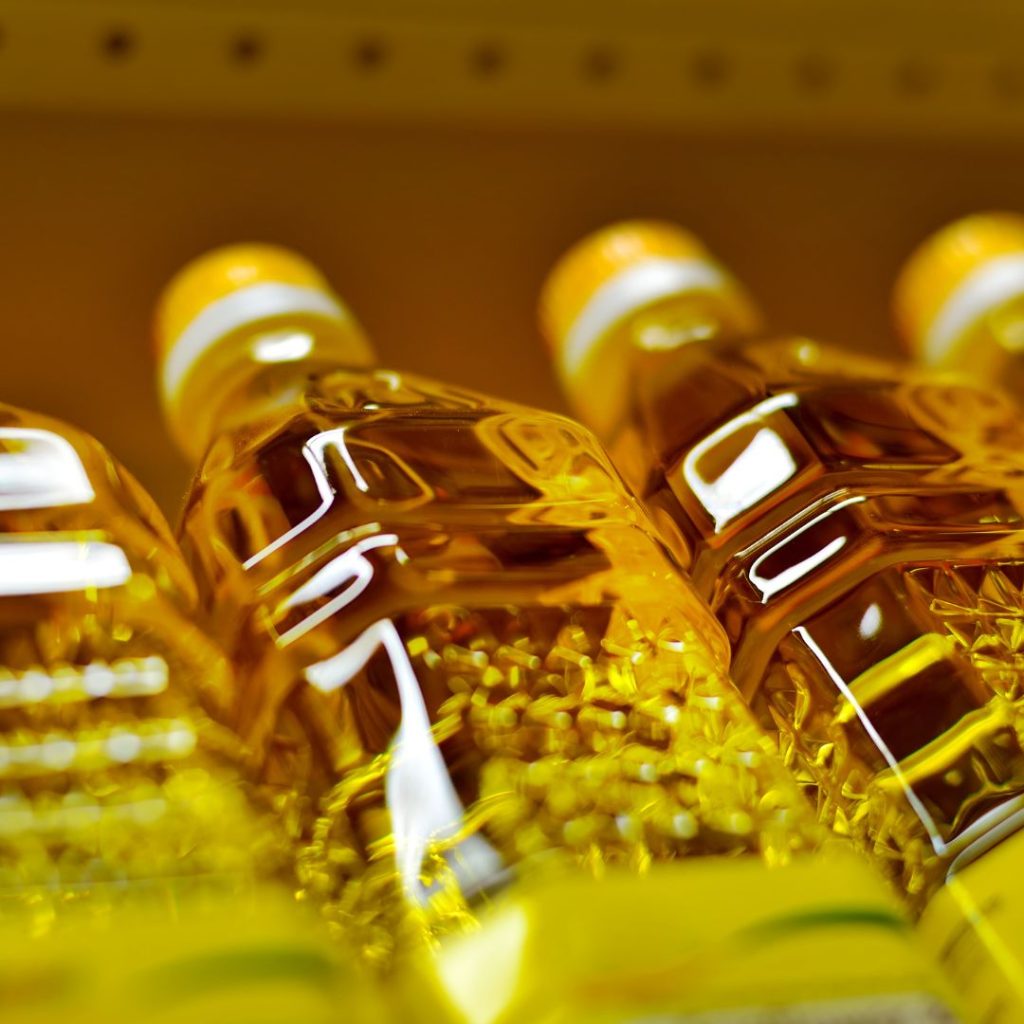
(255, 373)
(606, 383)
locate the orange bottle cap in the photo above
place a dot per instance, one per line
(955, 278)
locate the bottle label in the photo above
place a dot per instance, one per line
(818, 941)
(908, 1009)
(975, 926)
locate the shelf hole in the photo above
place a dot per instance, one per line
(369, 54)
(814, 74)
(601, 64)
(915, 78)
(247, 49)
(709, 69)
(118, 44)
(1007, 81)
(487, 60)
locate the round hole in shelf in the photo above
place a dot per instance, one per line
(246, 49)
(601, 64)
(118, 44)
(915, 78)
(487, 60)
(709, 69)
(369, 54)
(1008, 81)
(814, 73)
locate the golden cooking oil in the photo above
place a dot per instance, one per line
(857, 529)
(128, 844)
(469, 673)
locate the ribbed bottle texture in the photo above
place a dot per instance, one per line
(467, 672)
(857, 529)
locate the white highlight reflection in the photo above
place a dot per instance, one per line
(769, 586)
(314, 451)
(57, 567)
(938, 844)
(352, 570)
(480, 971)
(761, 468)
(282, 347)
(42, 471)
(870, 622)
(425, 809)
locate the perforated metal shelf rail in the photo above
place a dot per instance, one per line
(929, 67)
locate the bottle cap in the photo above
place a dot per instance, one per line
(238, 288)
(619, 270)
(956, 277)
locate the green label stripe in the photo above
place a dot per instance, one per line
(212, 972)
(824, 917)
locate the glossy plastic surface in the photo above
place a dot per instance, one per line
(858, 533)
(462, 653)
(857, 530)
(129, 850)
(113, 773)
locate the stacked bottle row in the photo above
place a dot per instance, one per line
(475, 710)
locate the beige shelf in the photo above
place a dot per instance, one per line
(435, 158)
(919, 66)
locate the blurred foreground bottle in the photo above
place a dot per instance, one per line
(959, 301)
(132, 867)
(473, 681)
(857, 529)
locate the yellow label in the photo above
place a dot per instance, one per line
(909, 1009)
(226, 962)
(975, 926)
(818, 940)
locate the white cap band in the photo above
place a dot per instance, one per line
(631, 289)
(987, 288)
(235, 311)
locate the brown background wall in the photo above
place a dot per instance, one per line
(438, 237)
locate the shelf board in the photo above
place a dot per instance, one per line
(941, 68)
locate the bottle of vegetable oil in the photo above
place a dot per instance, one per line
(959, 302)
(130, 855)
(468, 671)
(857, 529)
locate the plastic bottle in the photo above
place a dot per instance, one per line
(131, 860)
(857, 529)
(468, 671)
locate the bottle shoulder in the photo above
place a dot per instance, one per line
(58, 484)
(478, 491)
(828, 406)
(407, 440)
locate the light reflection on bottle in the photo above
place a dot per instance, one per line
(351, 571)
(868, 725)
(40, 469)
(112, 777)
(316, 451)
(426, 813)
(761, 466)
(282, 346)
(126, 677)
(35, 566)
(771, 574)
